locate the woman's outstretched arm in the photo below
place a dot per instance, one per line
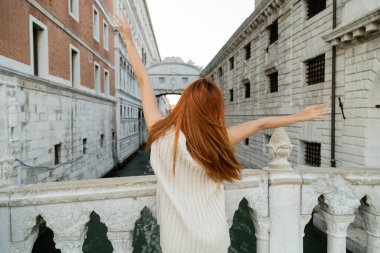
(149, 103)
(242, 131)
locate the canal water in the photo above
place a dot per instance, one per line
(146, 233)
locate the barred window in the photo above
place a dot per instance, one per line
(273, 32)
(247, 49)
(313, 154)
(231, 95)
(247, 90)
(273, 82)
(315, 70)
(314, 7)
(232, 63)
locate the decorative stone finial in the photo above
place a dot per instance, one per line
(6, 165)
(279, 148)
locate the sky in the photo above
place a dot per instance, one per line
(196, 29)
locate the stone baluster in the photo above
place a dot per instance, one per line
(121, 241)
(284, 196)
(6, 165)
(262, 226)
(372, 222)
(305, 218)
(336, 231)
(68, 245)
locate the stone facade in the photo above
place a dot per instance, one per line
(132, 132)
(281, 39)
(57, 103)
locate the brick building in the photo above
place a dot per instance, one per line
(289, 54)
(57, 87)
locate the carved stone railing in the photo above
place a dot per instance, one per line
(282, 200)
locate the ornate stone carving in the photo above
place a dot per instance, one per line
(262, 227)
(339, 198)
(6, 165)
(121, 241)
(372, 222)
(12, 115)
(337, 224)
(304, 219)
(279, 148)
(68, 246)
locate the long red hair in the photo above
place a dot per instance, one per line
(200, 115)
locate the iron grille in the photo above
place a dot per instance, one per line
(314, 7)
(232, 63)
(315, 70)
(273, 82)
(247, 49)
(231, 95)
(273, 32)
(247, 89)
(313, 154)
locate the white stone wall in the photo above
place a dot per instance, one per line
(132, 131)
(299, 40)
(36, 115)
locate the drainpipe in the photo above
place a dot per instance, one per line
(333, 93)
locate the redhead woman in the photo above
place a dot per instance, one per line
(192, 156)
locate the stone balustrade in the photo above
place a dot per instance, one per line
(282, 200)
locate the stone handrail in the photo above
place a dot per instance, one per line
(282, 200)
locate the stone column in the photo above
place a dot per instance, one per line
(372, 222)
(337, 231)
(68, 245)
(305, 218)
(284, 196)
(121, 241)
(262, 226)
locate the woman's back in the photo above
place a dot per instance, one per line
(190, 206)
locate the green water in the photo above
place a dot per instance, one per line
(146, 233)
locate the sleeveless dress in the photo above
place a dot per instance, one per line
(190, 206)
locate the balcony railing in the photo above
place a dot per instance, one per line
(282, 200)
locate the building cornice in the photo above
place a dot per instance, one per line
(152, 29)
(173, 63)
(255, 20)
(360, 28)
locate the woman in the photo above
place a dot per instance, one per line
(192, 155)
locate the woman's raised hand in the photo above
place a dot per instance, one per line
(316, 112)
(125, 29)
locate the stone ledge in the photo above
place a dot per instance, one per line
(356, 176)
(362, 27)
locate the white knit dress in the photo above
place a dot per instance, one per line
(190, 206)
